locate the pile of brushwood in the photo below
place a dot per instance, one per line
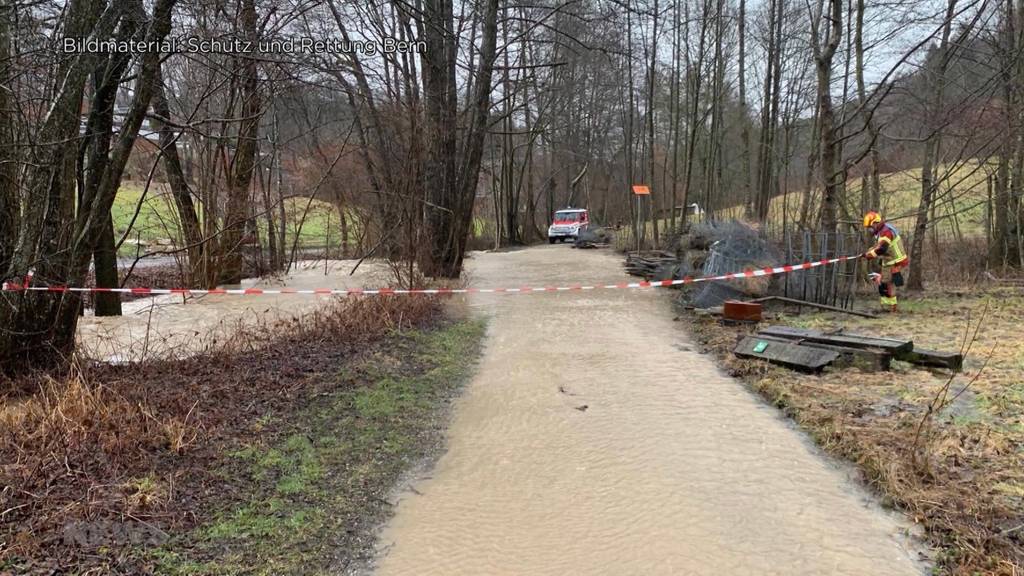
(100, 461)
(652, 264)
(595, 237)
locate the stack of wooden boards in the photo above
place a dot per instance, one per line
(646, 264)
(813, 350)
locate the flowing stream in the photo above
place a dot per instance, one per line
(175, 327)
(595, 439)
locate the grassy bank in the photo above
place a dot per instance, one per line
(315, 480)
(275, 459)
(962, 476)
(157, 220)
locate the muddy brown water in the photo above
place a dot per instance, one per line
(593, 439)
(175, 327)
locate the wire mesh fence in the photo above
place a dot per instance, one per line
(833, 285)
(733, 246)
(714, 293)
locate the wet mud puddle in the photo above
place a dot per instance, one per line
(594, 440)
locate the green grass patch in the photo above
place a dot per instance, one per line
(315, 223)
(156, 219)
(314, 472)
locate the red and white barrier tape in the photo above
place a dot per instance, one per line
(750, 273)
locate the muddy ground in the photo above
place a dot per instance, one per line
(963, 478)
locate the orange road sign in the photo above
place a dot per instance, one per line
(641, 190)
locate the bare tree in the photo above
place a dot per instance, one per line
(936, 87)
(824, 45)
(55, 241)
(452, 166)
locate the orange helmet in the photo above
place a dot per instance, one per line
(872, 218)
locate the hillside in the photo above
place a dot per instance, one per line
(960, 207)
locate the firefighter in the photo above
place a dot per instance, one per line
(889, 247)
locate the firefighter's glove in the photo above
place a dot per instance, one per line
(870, 254)
(875, 278)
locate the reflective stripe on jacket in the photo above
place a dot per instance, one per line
(890, 243)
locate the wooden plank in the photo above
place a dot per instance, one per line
(786, 354)
(889, 345)
(867, 359)
(936, 358)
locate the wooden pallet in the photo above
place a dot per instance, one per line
(786, 353)
(866, 359)
(788, 347)
(889, 345)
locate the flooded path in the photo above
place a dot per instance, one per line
(595, 440)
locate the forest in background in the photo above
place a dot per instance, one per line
(494, 114)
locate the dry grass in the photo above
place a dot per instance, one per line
(960, 204)
(965, 484)
(124, 443)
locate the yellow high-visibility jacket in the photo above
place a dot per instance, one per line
(889, 243)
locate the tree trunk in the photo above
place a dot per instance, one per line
(676, 101)
(765, 171)
(178, 185)
(508, 157)
(105, 259)
(745, 171)
(244, 160)
(439, 97)
(98, 135)
(871, 189)
(831, 173)
(814, 143)
(8, 156)
(715, 138)
(694, 106)
(934, 115)
(451, 187)
(1014, 245)
(652, 75)
(628, 115)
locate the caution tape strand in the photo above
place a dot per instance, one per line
(748, 273)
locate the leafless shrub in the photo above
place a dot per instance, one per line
(923, 434)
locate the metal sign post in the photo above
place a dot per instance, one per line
(638, 191)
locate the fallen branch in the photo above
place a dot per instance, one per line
(812, 305)
(1009, 281)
